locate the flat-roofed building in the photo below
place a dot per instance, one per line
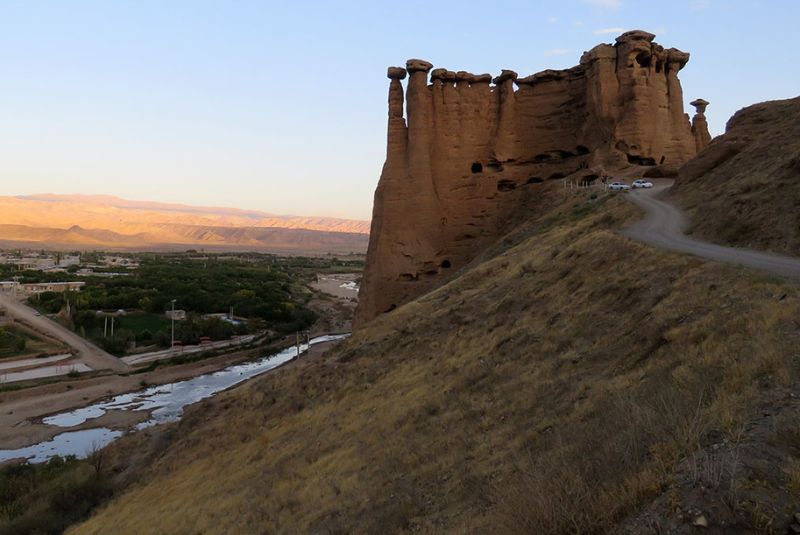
(8, 286)
(41, 287)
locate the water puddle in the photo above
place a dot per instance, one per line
(165, 403)
(77, 443)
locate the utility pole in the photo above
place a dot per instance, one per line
(105, 327)
(297, 341)
(112, 326)
(172, 339)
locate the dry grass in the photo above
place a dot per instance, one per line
(550, 389)
(752, 198)
(792, 470)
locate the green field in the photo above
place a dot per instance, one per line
(140, 322)
(269, 292)
(16, 343)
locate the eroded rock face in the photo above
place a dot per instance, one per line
(465, 150)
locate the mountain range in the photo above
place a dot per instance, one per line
(94, 221)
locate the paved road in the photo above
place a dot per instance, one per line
(90, 354)
(142, 358)
(664, 226)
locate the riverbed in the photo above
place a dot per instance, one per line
(158, 404)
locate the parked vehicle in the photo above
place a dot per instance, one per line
(618, 186)
(641, 183)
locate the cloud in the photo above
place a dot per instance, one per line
(604, 4)
(605, 31)
(556, 51)
(579, 23)
(552, 20)
(700, 5)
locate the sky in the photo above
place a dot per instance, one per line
(281, 106)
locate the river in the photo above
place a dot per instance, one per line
(164, 403)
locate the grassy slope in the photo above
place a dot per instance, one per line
(553, 388)
(744, 189)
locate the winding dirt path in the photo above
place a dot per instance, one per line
(664, 225)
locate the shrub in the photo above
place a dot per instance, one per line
(48, 497)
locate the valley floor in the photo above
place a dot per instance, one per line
(25, 407)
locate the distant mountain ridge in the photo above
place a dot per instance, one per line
(107, 221)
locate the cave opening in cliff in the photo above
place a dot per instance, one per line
(506, 185)
(556, 175)
(644, 59)
(495, 165)
(446, 264)
(477, 167)
(581, 149)
(641, 160)
(535, 180)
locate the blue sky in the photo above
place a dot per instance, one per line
(282, 106)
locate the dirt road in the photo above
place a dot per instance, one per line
(88, 353)
(664, 226)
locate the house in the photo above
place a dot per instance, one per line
(8, 286)
(41, 287)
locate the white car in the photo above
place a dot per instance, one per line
(641, 183)
(618, 186)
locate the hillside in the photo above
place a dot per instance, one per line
(111, 222)
(571, 380)
(744, 188)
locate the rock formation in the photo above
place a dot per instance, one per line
(699, 125)
(465, 150)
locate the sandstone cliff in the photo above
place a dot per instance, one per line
(468, 145)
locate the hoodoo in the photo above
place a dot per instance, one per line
(699, 125)
(459, 158)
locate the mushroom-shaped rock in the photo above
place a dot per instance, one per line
(505, 74)
(481, 78)
(699, 105)
(438, 74)
(464, 76)
(636, 35)
(443, 75)
(396, 73)
(677, 59)
(418, 65)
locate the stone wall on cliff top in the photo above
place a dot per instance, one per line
(466, 142)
